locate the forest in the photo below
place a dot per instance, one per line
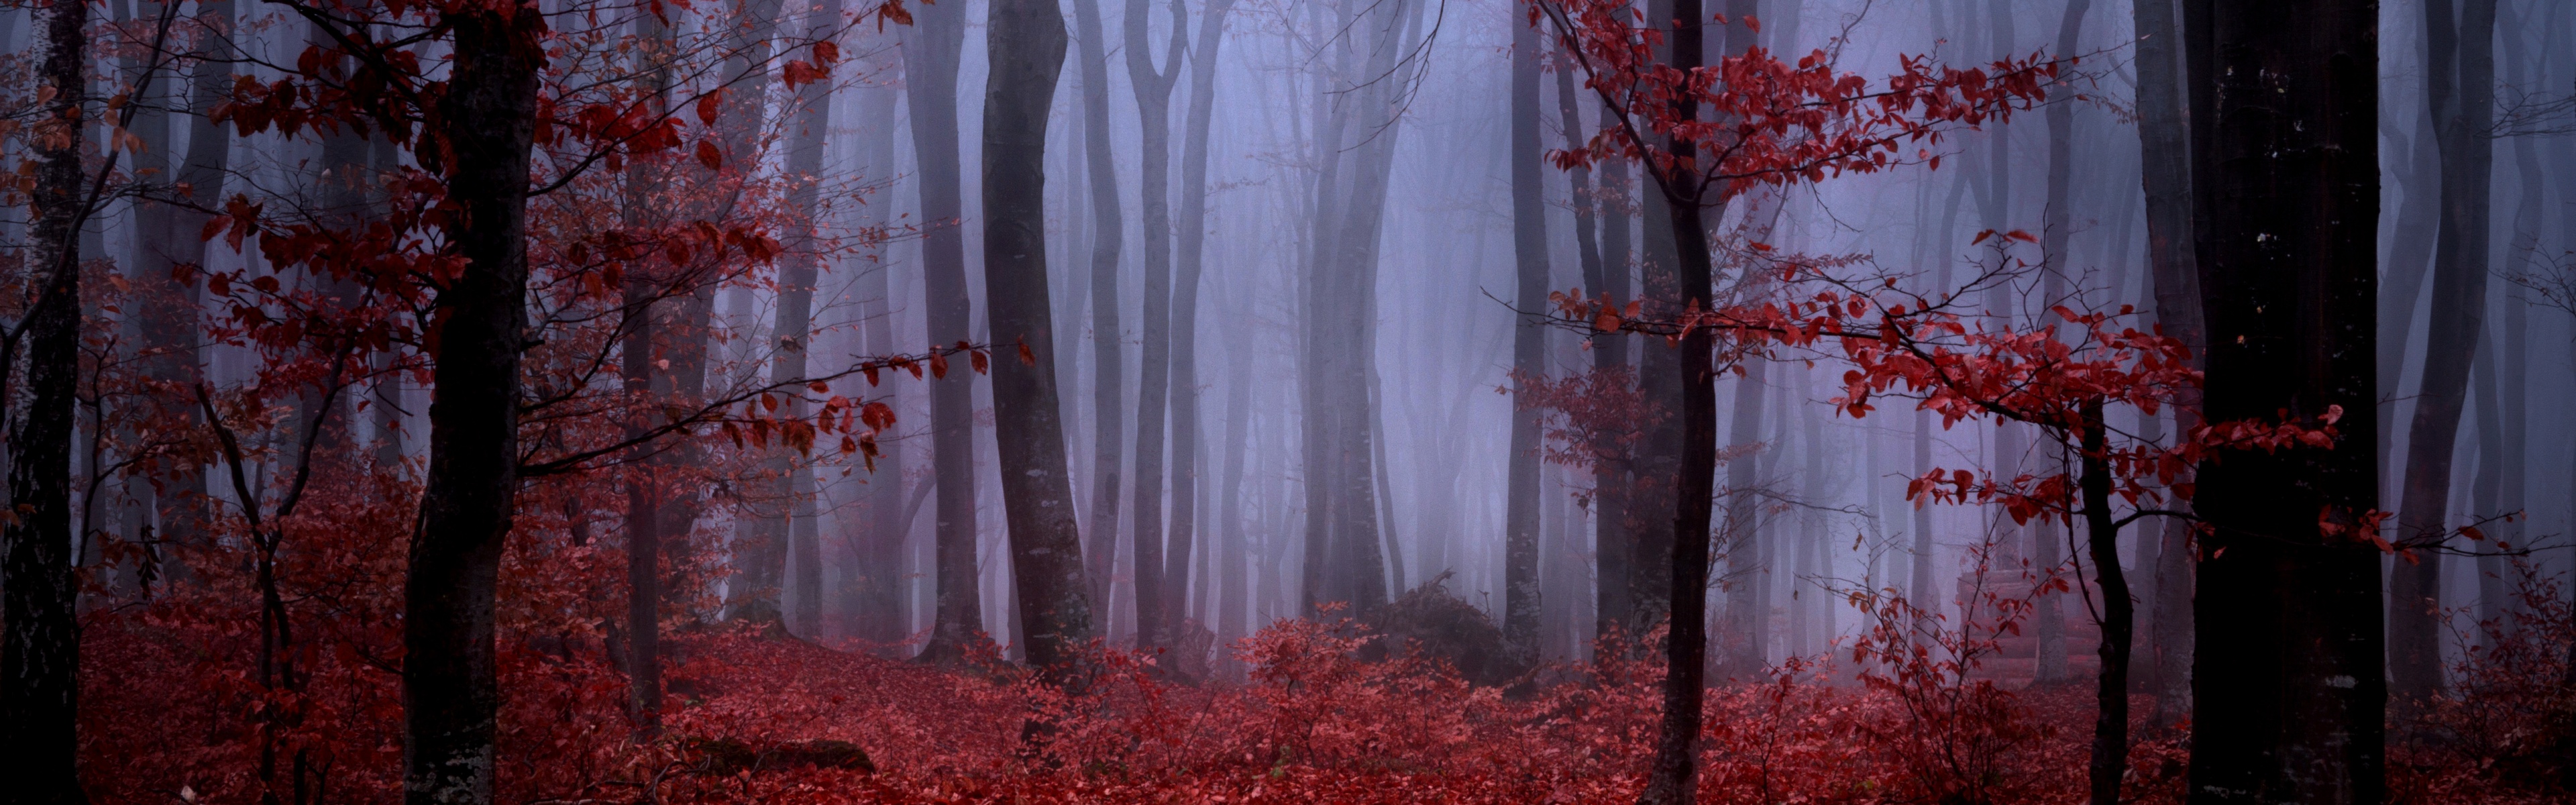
(1955, 402)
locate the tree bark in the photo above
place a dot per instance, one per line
(1529, 347)
(1153, 391)
(2287, 688)
(644, 495)
(797, 275)
(1027, 43)
(931, 51)
(2462, 83)
(1108, 233)
(1669, 780)
(40, 642)
(1185, 302)
(450, 693)
(880, 618)
(2165, 154)
(2110, 759)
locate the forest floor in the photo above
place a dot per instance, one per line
(766, 720)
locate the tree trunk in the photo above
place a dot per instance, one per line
(450, 694)
(1027, 43)
(40, 647)
(880, 617)
(2287, 691)
(1669, 780)
(1529, 346)
(2165, 157)
(644, 494)
(797, 275)
(1185, 300)
(2110, 760)
(931, 51)
(1108, 233)
(2462, 82)
(1153, 391)
(1233, 616)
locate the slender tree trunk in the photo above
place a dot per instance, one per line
(40, 643)
(645, 179)
(2110, 760)
(2287, 694)
(2165, 154)
(1529, 346)
(931, 51)
(1185, 299)
(1670, 779)
(797, 276)
(1027, 43)
(2049, 622)
(1233, 617)
(451, 695)
(2462, 258)
(1153, 391)
(881, 618)
(1108, 233)
(1602, 274)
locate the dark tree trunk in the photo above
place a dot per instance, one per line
(644, 495)
(2165, 154)
(931, 51)
(2049, 621)
(1153, 391)
(1611, 563)
(1529, 347)
(1027, 42)
(1108, 233)
(1185, 305)
(2110, 759)
(2462, 85)
(451, 698)
(40, 643)
(2287, 690)
(1669, 780)
(797, 275)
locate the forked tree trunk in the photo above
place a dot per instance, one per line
(2288, 694)
(1027, 43)
(1153, 390)
(450, 659)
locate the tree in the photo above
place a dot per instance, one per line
(2461, 88)
(1153, 91)
(40, 643)
(1192, 261)
(1027, 42)
(931, 51)
(1766, 122)
(1108, 233)
(1529, 348)
(2164, 151)
(2287, 683)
